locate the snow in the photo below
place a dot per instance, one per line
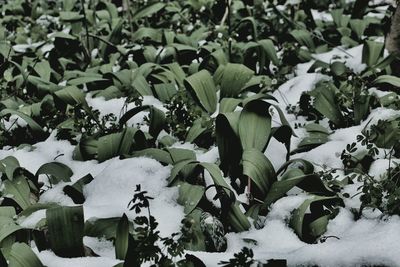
(110, 192)
(49, 259)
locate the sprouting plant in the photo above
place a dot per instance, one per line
(147, 244)
(244, 258)
(182, 112)
(382, 193)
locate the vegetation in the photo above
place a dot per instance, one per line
(214, 65)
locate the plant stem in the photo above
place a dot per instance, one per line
(85, 23)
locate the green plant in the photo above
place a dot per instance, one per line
(144, 243)
(382, 193)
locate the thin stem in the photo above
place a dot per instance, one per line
(127, 8)
(85, 23)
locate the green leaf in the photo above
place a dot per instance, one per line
(148, 10)
(338, 68)
(32, 124)
(71, 95)
(232, 78)
(255, 125)
(103, 228)
(236, 217)
(304, 37)
(197, 240)
(260, 170)
(65, 230)
(228, 105)
(305, 225)
(115, 144)
(165, 91)
(7, 227)
(358, 26)
(372, 52)
(203, 87)
(190, 196)
(270, 51)
(21, 255)
(393, 80)
(121, 239)
(17, 190)
(196, 130)
(8, 165)
(178, 168)
(228, 142)
(85, 80)
(56, 171)
(69, 16)
(75, 191)
(325, 102)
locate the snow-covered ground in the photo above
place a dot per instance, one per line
(367, 241)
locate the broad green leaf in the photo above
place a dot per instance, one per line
(196, 130)
(304, 37)
(32, 124)
(232, 78)
(121, 239)
(338, 68)
(190, 196)
(154, 153)
(148, 10)
(197, 240)
(18, 190)
(85, 80)
(236, 217)
(255, 125)
(103, 227)
(358, 26)
(260, 170)
(7, 211)
(339, 18)
(228, 142)
(203, 87)
(71, 95)
(75, 191)
(325, 102)
(110, 92)
(65, 230)
(305, 225)
(56, 171)
(7, 227)
(21, 255)
(165, 91)
(178, 168)
(393, 80)
(115, 144)
(270, 51)
(372, 51)
(44, 70)
(69, 16)
(8, 165)
(228, 104)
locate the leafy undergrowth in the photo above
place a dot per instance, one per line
(157, 133)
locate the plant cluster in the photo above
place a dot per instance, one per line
(214, 66)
